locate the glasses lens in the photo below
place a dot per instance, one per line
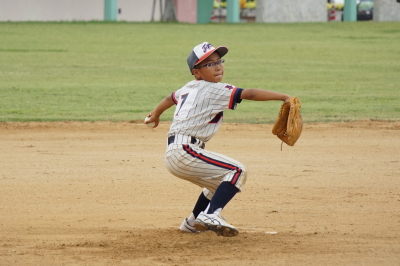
(216, 63)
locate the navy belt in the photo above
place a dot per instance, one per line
(171, 139)
(193, 140)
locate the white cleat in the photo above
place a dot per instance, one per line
(216, 224)
(186, 227)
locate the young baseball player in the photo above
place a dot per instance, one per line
(198, 116)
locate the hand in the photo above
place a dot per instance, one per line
(287, 99)
(150, 118)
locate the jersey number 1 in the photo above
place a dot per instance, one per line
(183, 97)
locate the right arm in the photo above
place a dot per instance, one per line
(154, 115)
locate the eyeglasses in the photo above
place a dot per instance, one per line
(209, 65)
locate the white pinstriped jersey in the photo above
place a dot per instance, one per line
(199, 108)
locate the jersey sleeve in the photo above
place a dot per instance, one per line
(235, 98)
(175, 96)
(226, 96)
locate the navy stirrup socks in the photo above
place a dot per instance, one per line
(224, 193)
(201, 205)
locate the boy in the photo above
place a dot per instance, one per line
(198, 116)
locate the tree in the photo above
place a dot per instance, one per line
(169, 11)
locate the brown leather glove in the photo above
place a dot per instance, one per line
(289, 124)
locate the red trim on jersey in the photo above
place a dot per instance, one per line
(232, 101)
(174, 98)
(214, 162)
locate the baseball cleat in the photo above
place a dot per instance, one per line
(186, 227)
(216, 224)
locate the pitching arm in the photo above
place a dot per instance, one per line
(154, 115)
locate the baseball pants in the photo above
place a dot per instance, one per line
(186, 159)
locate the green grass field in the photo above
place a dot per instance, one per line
(120, 71)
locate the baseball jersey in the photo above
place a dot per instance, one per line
(199, 108)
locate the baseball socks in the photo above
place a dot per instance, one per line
(200, 206)
(224, 193)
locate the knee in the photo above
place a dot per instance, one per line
(244, 174)
(240, 177)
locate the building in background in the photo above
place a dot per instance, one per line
(268, 11)
(76, 10)
(291, 11)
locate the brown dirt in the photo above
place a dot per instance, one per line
(99, 194)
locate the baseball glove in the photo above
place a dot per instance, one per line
(289, 124)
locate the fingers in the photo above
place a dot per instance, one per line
(151, 121)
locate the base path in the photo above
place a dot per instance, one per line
(81, 193)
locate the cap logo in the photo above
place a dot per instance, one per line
(206, 47)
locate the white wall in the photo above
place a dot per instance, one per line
(70, 10)
(291, 11)
(386, 10)
(51, 10)
(138, 10)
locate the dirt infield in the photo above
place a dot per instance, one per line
(99, 194)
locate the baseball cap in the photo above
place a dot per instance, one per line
(202, 51)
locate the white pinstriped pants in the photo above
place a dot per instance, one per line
(203, 168)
